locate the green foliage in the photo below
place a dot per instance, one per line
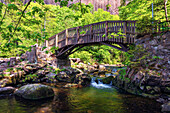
(9, 70)
(122, 72)
(97, 16)
(138, 9)
(135, 56)
(44, 48)
(20, 30)
(82, 8)
(108, 6)
(46, 52)
(117, 35)
(83, 55)
(30, 77)
(100, 54)
(141, 10)
(39, 21)
(156, 57)
(52, 49)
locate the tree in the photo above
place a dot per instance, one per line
(137, 9)
(124, 2)
(166, 16)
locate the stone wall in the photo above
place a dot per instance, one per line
(150, 76)
(61, 63)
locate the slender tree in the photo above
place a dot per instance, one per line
(166, 16)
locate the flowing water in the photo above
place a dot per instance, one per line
(98, 98)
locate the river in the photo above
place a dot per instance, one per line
(98, 98)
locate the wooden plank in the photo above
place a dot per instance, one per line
(56, 41)
(91, 33)
(131, 28)
(125, 28)
(106, 30)
(78, 35)
(66, 37)
(46, 43)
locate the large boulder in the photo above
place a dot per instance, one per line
(7, 90)
(35, 91)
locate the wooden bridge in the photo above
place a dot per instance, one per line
(71, 40)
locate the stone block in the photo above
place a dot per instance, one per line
(61, 63)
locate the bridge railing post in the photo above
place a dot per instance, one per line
(46, 43)
(125, 30)
(106, 30)
(91, 33)
(66, 33)
(56, 40)
(78, 35)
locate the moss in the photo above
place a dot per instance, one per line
(107, 80)
(35, 91)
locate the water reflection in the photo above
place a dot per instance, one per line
(85, 100)
(61, 103)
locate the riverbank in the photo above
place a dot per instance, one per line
(148, 74)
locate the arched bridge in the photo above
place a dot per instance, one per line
(97, 33)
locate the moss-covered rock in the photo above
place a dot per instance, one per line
(107, 80)
(35, 91)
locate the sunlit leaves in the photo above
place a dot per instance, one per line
(138, 9)
(1, 5)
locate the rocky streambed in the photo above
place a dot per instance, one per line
(73, 98)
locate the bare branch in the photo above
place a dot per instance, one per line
(22, 15)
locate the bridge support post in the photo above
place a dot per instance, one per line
(62, 63)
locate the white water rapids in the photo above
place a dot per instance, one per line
(99, 85)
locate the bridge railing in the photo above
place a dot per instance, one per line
(96, 32)
(101, 31)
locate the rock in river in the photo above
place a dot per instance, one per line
(166, 107)
(7, 90)
(35, 91)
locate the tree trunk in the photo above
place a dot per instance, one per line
(81, 7)
(12, 61)
(166, 16)
(32, 56)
